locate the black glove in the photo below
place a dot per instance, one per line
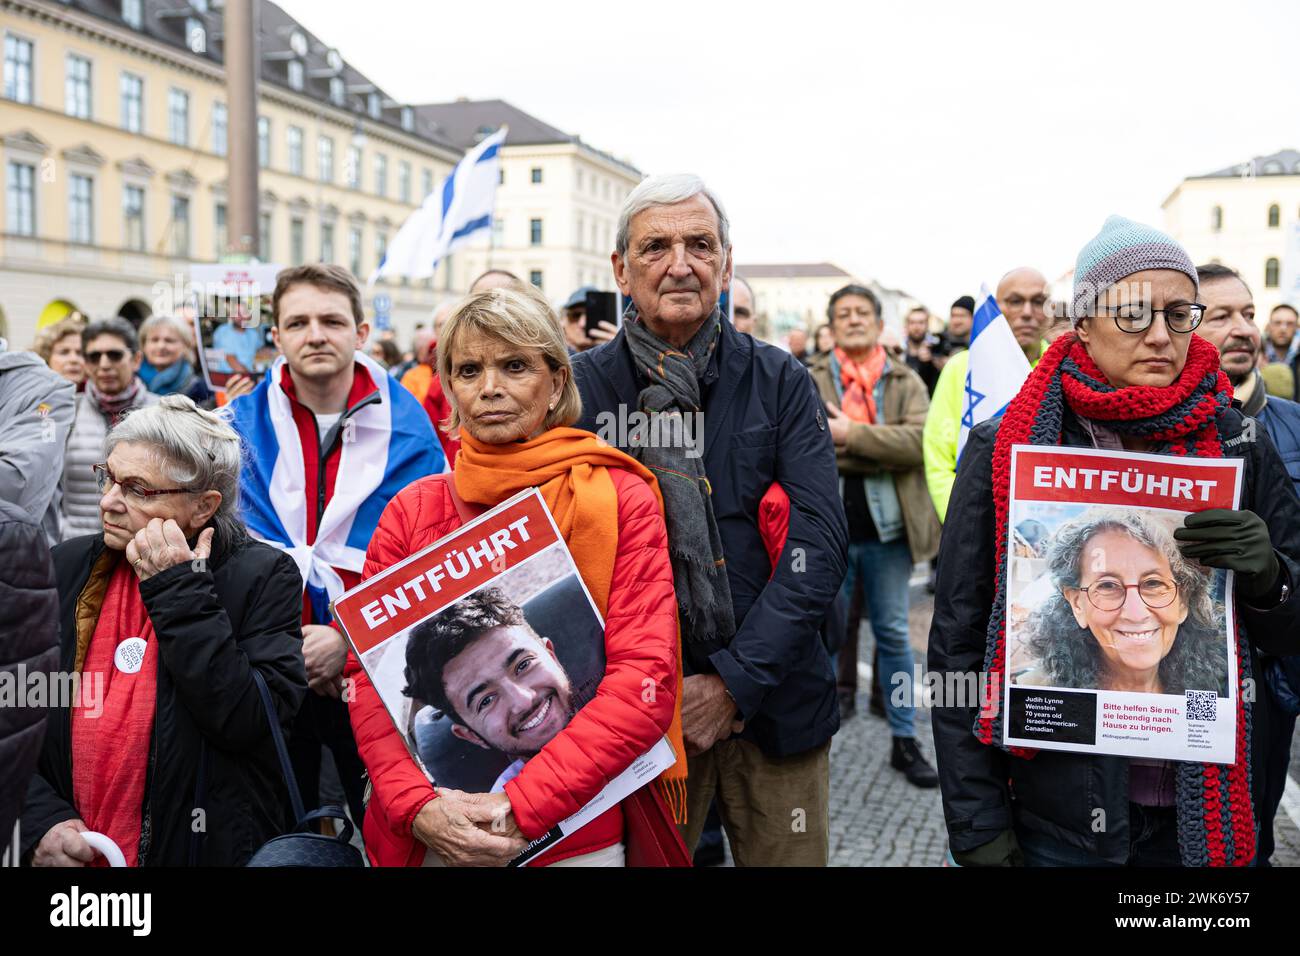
(1002, 850)
(1236, 540)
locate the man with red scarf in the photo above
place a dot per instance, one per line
(877, 407)
(1130, 376)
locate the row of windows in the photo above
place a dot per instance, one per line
(20, 211)
(1274, 217)
(597, 185)
(21, 220)
(78, 102)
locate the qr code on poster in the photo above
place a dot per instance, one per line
(1202, 705)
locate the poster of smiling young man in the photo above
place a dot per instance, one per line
(482, 647)
(1116, 643)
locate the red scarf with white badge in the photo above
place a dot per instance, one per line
(111, 737)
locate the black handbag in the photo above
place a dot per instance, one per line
(302, 847)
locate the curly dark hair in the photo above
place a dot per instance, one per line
(1198, 659)
(433, 643)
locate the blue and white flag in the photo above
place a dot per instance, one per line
(386, 446)
(997, 367)
(448, 219)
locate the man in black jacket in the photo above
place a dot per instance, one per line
(29, 648)
(758, 701)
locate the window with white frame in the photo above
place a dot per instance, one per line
(20, 199)
(180, 226)
(133, 13)
(294, 138)
(178, 117)
(408, 118)
(352, 172)
(337, 90)
(76, 87)
(81, 209)
(325, 159)
(534, 232)
(426, 183)
(220, 125)
(18, 69)
(404, 181)
(295, 75)
(223, 234)
(132, 93)
(297, 242)
(381, 174)
(264, 142)
(133, 218)
(264, 237)
(381, 246)
(354, 250)
(375, 105)
(327, 242)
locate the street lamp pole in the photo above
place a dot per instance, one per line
(242, 63)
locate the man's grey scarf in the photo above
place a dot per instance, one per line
(694, 545)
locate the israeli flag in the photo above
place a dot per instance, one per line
(389, 444)
(448, 219)
(997, 367)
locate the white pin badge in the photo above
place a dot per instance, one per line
(129, 655)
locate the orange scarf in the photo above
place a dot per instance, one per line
(570, 468)
(859, 381)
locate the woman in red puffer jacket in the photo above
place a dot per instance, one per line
(607, 509)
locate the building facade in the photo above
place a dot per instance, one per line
(795, 295)
(557, 205)
(1246, 217)
(114, 131)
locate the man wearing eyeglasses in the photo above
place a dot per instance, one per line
(1229, 323)
(113, 388)
(1022, 297)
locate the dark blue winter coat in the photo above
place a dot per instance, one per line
(763, 423)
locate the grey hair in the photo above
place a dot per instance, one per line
(180, 326)
(117, 326)
(665, 191)
(196, 448)
(1198, 658)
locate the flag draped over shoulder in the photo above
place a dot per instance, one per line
(386, 445)
(449, 218)
(996, 370)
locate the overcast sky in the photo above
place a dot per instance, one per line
(928, 146)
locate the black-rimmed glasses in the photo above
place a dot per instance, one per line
(1137, 317)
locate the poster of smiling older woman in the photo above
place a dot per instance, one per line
(1116, 642)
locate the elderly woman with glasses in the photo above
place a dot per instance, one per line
(113, 387)
(1129, 377)
(1128, 612)
(163, 617)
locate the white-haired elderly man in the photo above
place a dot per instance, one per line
(745, 462)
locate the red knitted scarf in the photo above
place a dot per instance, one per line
(1215, 818)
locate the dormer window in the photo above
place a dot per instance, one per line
(336, 90)
(375, 105)
(295, 74)
(133, 13)
(196, 35)
(408, 118)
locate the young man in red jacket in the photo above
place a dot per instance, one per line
(318, 428)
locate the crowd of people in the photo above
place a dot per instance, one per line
(177, 549)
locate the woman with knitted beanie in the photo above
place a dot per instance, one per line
(1129, 376)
